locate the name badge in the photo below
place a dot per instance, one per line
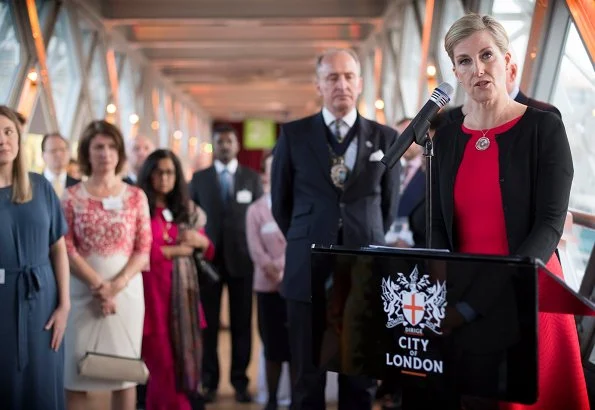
(167, 215)
(244, 197)
(112, 204)
(2, 276)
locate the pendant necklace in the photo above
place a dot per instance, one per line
(483, 142)
(166, 237)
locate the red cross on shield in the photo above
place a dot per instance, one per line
(413, 307)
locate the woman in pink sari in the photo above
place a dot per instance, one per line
(172, 347)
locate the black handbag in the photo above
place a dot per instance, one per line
(206, 271)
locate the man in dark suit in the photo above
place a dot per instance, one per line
(329, 187)
(56, 155)
(224, 191)
(516, 94)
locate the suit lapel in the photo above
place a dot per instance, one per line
(363, 135)
(521, 98)
(318, 144)
(215, 186)
(238, 181)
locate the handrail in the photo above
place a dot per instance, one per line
(583, 218)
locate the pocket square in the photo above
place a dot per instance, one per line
(376, 156)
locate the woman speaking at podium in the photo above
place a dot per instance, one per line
(502, 182)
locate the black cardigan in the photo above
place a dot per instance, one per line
(535, 178)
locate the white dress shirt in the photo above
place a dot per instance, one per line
(57, 181)
(231, 167)
(348, 122)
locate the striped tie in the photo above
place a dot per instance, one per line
(337, 130)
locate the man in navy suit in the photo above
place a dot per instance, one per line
(225, 190)
(329, 187)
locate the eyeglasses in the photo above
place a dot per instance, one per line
(164, 172)
(57, 151)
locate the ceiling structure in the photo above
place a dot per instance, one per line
(243, 58)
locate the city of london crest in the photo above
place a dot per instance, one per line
(414, 302)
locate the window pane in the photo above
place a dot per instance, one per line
(410, 63)
(127, 98)
(10, 52)
(32, 142)
(574, 95)
(65, 80)
(453, 10)
(421, 7)
(39, 4)
(98, 85)
(577, 251)
(87, 36)
(84, 120)
(516, 17)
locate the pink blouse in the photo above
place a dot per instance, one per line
(94, 230)
(266, 243)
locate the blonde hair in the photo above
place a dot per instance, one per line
(21, 184)
(470, 24)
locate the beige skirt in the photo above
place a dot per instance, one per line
(89, 331)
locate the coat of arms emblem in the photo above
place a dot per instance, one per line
(414, 302)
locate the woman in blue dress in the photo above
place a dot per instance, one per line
(34, 281)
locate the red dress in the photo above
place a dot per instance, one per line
(477, 194)
(156, 349)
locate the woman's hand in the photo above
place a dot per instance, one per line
(57, 323)
(109, 289)
(272, 273)
(169, 252)
(108, 307)
(194, 239)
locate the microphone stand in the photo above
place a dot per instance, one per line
(422, 137)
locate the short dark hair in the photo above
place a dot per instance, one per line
(224, 129)
(105, 128)
(50, 135)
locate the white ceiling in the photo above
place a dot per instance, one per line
(243, 58)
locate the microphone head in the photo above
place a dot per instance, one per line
(446, 88)
(442, 93)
